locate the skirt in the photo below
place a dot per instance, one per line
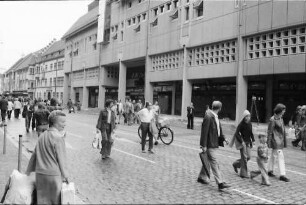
(48, 189)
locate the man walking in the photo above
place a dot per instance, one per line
(211, 139)
(190, 115)
(3, 107)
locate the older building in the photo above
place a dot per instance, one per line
(82, 59)
(48, 71)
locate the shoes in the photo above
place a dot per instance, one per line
(271, 174)
(252, 176)
(150, 151)
(245, 177)
(202, 181)
(143, 151)
(235, 169)
(284, 178)
(266, 184)
(155, 143)
(223, 186)
(103, 157)
(294, 144)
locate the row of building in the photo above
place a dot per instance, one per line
(249, 54)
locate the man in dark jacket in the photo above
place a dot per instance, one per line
(41, 118)
(190, 115)
(211, 139)
(3, 107)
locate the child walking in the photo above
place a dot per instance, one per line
(262, 161)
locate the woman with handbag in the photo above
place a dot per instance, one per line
(146, 117)
(244, 140)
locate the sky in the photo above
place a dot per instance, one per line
(27, 26)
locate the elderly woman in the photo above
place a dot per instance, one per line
(106, 125)
(277, 141)
(49, 160)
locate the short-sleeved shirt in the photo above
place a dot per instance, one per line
(145, 115)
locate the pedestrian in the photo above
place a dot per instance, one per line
(146, 115)
(277, 141)
(190, 116)
(70, 106)
(17, 107)
(130, 112)
(137, 108)
(41, 118)
(262, 161)
(301, 129)
(244, 140)
(10, 106)
(49, 162)
(105, 126)
(53, 105)
(295, 116)
(120, 110)
(4, 108)
(211, 138)
(156, 108)
(27, 113)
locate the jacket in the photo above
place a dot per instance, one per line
(209, 132)
(3, 104)
(243, 134)
(49, 156)
(189, 113)
(102, 121)
(276, 133)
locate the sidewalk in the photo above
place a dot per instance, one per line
(9, 162)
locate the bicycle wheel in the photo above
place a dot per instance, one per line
(166, 135)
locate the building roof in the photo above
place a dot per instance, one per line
(14, 65)
(26, 62)
(83, 22)
(56, 46)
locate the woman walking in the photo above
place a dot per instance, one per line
(277, 141)
(49, 161)
(146, 116)
(9, 108)
(17, 107)
(244, 140)
(106, 125)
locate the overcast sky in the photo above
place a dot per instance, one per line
(27, 26)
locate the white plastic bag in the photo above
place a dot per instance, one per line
(21, 188)
(96, 143)
(68, 193)
(291, 133)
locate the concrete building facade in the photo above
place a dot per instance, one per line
(183, 51)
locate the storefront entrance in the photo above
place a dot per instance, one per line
(93, 94)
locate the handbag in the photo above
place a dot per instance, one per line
(68, 193)
(96, 143)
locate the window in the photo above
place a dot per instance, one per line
(155, 22)
(121, 35)
(236, 3)
(137, 29)
(50, 81)
(161, 9)
(198, 6)
(168, 6)
(155, 11)
(174, 14)
(134, 20)
(139, 1)
(116, 27)
(89, 38)
(129, 22)
(130, 4)
(122, 24)
(144, 16)
(175, 3)
(94, 46)
(138, 19)
(187, 13)
(51, 66)
(55, 66)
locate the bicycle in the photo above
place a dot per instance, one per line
(165, 134)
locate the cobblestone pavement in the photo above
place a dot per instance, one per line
(169, 175)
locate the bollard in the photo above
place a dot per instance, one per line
(19, 153)
(4, 140)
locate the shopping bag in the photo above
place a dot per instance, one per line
(291, 133)
(68, 193)
(205, 163)
(96, 143)
(20, 189)
(153, 128)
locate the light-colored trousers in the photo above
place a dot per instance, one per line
(212, 157)
(245, 156)
(262, 166)
(277, 153)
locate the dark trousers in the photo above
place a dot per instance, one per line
(28, 119)
(16, 113)
(9, 114)
(145, 130)
(190, 122)
(107, 141)
(3, 115)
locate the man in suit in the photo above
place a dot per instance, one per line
(190, 115)
(211, 138)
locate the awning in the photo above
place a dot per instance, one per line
(197, 4)
(174, 14)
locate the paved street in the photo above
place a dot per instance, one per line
(168, 176)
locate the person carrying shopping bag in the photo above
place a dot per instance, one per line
(277, 141)
(106, 125)
(244, 140)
